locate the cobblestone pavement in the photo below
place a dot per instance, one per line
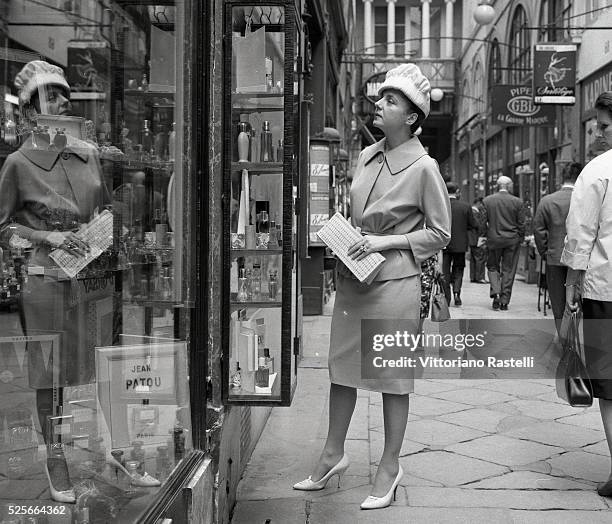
(475, 451)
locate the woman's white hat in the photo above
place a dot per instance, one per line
(36, 74)
(408, 79)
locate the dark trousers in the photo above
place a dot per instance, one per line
(555, 282)
(478, 260)
(501, 265)
(452, 269)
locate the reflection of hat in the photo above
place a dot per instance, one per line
(408, 79)
(36, 74)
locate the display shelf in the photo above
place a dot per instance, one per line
(257, 102)
(147, 93)
(169, 304)
(161, 165)
(267, 304)
(255, 252)
(260, 124)
(260, 168)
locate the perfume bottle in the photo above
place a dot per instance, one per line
(146, 138)
(242, 286)
(256, 281)
(138, 454)
(279, 235)
(263, 224)
(172, 142)
(269, 65)
(178, 436)
(144, 83)
(249, 283)
(244, 142)
(262, 375)
(273, 240)
(161, 142)
(236, 379)
(60, 140)
(268, 360)
(162, 463)
(272, 284)
(279, 151)
(167, 284)
(265, 154)
(117, 454)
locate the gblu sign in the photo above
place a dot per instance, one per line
(513, 106)
(522, 106)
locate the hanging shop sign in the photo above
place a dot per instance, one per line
(513, 106)
(88, 71)
(592, 87)
(554, 74)
(371, 85)
(319, 183)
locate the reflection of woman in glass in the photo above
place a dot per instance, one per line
(48, 189)
(399, 200)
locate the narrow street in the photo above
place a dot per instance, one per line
(477, 451)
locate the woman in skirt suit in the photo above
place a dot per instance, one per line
(588, 253)
(400, 204)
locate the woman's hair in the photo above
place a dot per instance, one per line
(414, 109)
(604, 102)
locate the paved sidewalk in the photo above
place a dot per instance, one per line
(475, 451)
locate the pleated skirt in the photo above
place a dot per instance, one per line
(389, 299)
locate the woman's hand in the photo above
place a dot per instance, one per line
(366, 246)
(572, 298)
(68, 241)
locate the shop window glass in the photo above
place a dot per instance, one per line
(95, 254)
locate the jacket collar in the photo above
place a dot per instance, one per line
(46, 158)
(398, 158)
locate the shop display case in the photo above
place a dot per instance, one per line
(96, 362)
(261, 274)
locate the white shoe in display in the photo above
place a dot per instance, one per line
(382, 502)
(310, 485)
(66, 496)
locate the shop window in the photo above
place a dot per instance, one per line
(96, 256)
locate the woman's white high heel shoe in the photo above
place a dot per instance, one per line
(67, 496)
(382, 502)
(339, 469)
(143, 481)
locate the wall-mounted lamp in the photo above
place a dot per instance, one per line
(436, 94)
(484, 14)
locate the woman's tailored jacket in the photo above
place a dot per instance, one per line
(413, 202)
(47, 190)
(414, 191)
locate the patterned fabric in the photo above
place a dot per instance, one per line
(428, 273)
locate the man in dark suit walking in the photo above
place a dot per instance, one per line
(477, 242)
(453, 256)
(549, 232)
(505, 233)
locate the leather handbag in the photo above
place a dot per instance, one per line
(572, 379)
(439, 306)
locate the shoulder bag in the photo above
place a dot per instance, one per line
(439, 306)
